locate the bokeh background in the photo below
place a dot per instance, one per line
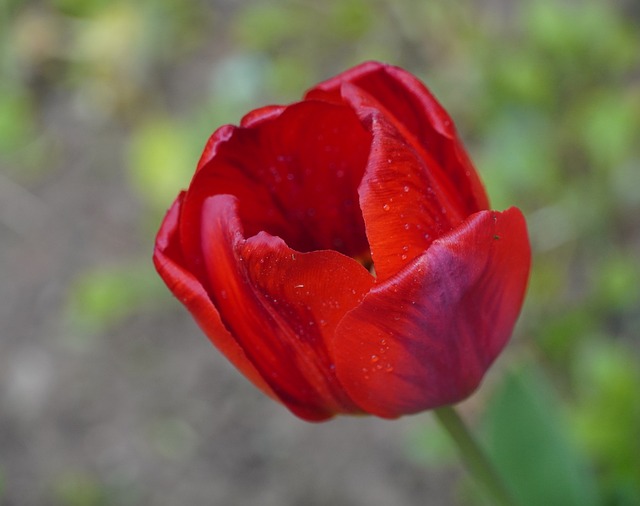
(110, 395)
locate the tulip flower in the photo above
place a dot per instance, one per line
(340, 251)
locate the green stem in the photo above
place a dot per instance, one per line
(473, 456)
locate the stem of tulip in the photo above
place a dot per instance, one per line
(473, 456)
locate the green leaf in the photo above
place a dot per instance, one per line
(529, 442)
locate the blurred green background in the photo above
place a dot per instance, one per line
(108, 392)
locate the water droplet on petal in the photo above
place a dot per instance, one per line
(388, 368)
(386, 207)
(406, 189)
(374, 358)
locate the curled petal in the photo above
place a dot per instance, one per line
(425, 337)
(187, 289)
(402, 211)
(282, 306)
(420, 119)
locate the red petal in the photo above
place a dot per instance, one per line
(168, 260)
(421, 120)
(223, 134)
(296, 175)
(220, 136)
(402, 211)
(282, 306)
(426, 337)
(262, 115)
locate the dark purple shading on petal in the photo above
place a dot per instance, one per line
(426, 337)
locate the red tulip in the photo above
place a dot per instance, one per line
(341, 253)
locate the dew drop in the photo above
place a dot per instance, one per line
(388, 368)
(223, 294)
(386, 207)
(374, 358)
(407, 226)
(406, 189)
(403, 256)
